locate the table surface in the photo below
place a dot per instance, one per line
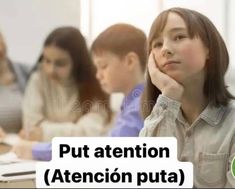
(16, 184)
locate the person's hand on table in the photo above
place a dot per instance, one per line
(34, 134)
(24, 149)
(2, 134)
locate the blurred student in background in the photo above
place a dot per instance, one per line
(13, 78)
(119, 56)
(63, 97)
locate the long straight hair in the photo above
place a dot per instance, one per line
(71, 40)
(216, 66)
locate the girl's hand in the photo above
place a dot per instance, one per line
(2, 133)
(24, 149)
(167, 85)
(34, 134)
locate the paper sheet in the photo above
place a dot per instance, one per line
(10, 139)
(9, 158)
(10, 163)
(26, 170)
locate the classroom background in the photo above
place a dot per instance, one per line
(25, 23)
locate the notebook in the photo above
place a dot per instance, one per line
(14, 169)
(10, 139)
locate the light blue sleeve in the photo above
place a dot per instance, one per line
(42, 151)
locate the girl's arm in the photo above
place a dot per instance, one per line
(33, 150)
(32, 104)
(36, 127)
(91, 124)
(167, 85)
(168, 104)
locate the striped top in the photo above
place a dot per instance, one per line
(10, 108)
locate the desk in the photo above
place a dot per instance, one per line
(16, 184)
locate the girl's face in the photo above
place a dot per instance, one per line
(57, 63)
(177, 55)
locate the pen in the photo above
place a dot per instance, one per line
(18, 173)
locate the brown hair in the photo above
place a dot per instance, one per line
(3, 44)
(71, 40)
(121, 39)
(200, 26)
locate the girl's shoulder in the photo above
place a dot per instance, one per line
(230, 112)
(231, 104)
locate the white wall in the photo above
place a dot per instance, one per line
(213, 9)
(26, 23)
(231, 31)
(139, 13)
(231, 46)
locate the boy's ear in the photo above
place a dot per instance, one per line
(131, 60)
